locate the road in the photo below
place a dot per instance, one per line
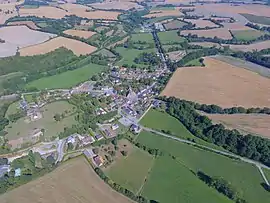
(60, 150)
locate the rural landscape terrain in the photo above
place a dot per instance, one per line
(121, 101)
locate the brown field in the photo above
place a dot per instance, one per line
(116, 5)
(236, 26)
(46, 11)
(80, 33)
(176, 55)
(72, 182)
(222, 33)
(220, 83)
(29, 24)
(78, 48)
(255, 46)
(200, 23)
(257, 124)
(7, 11)
(160, 13)
(206, 44)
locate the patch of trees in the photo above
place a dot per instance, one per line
(249, 146)
(222, 186)
(16, 116)
(148, 59)
(35, 3)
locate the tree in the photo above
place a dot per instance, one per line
(70, 146)
(57, 117)
(124, 153)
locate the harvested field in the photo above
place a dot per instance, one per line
(222, 33)
(250, 47)
(200, 23)
(161, 13)
(43, 11)
(78, 48)
(66, 185)
(215, 84)
(107, 5)
(176, 55)
(175, 24)
(236, 26)
(29, 24)
(257, 124)
(206, 44)
(7, 11)
(80, 33)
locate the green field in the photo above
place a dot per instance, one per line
(131, 171)
(246, 35)
(194, 62)
(142, 37)
(175, 24)
(158, 19)
(7, 77)
(166, 8)
(245, 177)
(257, 19)
(67, 79)
(170, 37)
(22, 129)
(129, 55)
(13, 108)
(105, 53)
(267, 174)
(170, 181)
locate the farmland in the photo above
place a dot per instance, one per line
(246, 35)
(126, 171)
(67, 79)
(175, 24)
(77, 47)
(170, 37)
(29, 24)
(79, 33)
(66, 185)
(207, 85)
(47, 11)
(216, 32)
(257, 19)
(250, 47)
(108, 5)
(245, 177)
(200, 23)
(162, 13)
(142, 37)
(206, 44)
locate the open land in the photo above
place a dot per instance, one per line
(258, 19)
(67, 79)
(200, 23)
(43, 11)
(119, 42)
(161, 13)
(170, 37)
(256, 124)
(250, 47)
(29, 24)
(66, 185)
(216, 32)
(206, 44)
(130, 171)
(7, 11)
(176, 55)
(108, 5)
(80, 33)
(142, 37)
(174, 24)
(244, 177)
(77, 47)
(215, 84)
(236, 26)
(247, 35)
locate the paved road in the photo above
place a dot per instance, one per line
(262, 173)
(60, 150)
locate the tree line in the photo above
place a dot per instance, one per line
(249, 146)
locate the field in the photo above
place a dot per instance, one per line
(67, 79)
(66, 185)
(161, 13)
(77, 47)
(258, 19)
(236, 26)
(116, 5)
(246, 35)
(215, 84)
(7, 11)
(22, 129)
(256, 124)
(200, 23)
(80, 33)
(29, 24)
(142, 37)
(130, 171)
(170, 181)
(255, 46)
(175, 24)
(216, 32)
(7, 77)
(47, 11)
(194, 62)
(176, 55)
(206, 44)
(245, 177)
(159, 19)
(170, 37)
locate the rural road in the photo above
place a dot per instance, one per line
(60, 150)
(259, 165)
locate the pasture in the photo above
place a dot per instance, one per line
(194, 62)
(246, 35)
(130, 172)
(162, 13)
(258, 19)
(67, 79)
(66, 185)
(174, 24)
(170, 37)
(244, 177)
(221, 33)
(47, 11)
(29, 24)
(250, 47)
(215, 84)
(108, 5)
(170, 181)
(142, 37)
(77, 47)
(80, 33)
(200, 23)
(206, 44)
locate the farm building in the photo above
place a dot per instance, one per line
(98, 160)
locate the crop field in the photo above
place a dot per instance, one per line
(170, 37)
(215, 84)
(66, 185)
(47, 11)
(175, 24)
(256, 124)
(246, 35)
(244, 177)
(250, 47)
(142, 37)
(258, 19)
(7, 11)
(170, 181)
(200, 23)
(80, 33)
(206, 44)
(222, 33)
(161, 13)
(108, 5)
(77, 47)
(29, 24)
(159, 19)
(236, 26)
(131, 171)
(67, 79)
(21, 128)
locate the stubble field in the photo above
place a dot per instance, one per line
(200, 23)
(160, 13)
(216, 32)
(219, 83)
(72, 182)
(80, 33)
(29, 24)
(250, 47)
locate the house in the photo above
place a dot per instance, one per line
(135, 128)
(4, 169)
(87, 140)
(115, 126)
(98, 160)
(89, 153)
(71, 139)
(17, 172)
(99, 137)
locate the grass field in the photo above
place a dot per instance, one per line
(257, 19)
(170, 181)
(158, 19)
(7, 77)
(67, 79)
(246, 35)
(194, 62)
(143, 37)
(131, 171)
(170, 37)
(175, 24)
(245, 177)
(165, 8)
(72, 182)
(267, 174)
